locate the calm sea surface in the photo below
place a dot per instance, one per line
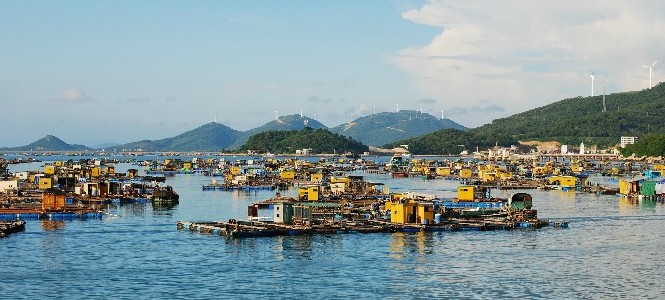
(613, 249)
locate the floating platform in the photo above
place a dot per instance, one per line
(224, 187)
(245, 229)
(462, 204)
(11, 214)
(7, 228)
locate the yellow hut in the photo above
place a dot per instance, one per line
(49, 170)
(288, 175)
(443, 171)
(465, 173)
(45, 183)
(309, 192)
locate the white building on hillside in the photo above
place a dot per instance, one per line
(628, 140)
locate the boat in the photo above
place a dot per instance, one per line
(165, 195)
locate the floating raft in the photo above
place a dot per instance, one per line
(8, 214)
(468, 204)
(243, 229)
(224, 187)
(7, 228)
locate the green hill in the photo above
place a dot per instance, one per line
(319, 140)
(650, 145)
(283, 123)
(387, 127)
(581, 119)
(49, 143)
(452, 141)
(209, 137)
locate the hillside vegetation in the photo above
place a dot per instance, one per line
(209, 137)
(319, 140)
(577, 120)
(387, 127)
(48, 143)
(452, 141)
(283, 123)
(650, 145)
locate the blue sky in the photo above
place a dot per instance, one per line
(119, 71)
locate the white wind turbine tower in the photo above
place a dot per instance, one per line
(650, 71)
(592, 77)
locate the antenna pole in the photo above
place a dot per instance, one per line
(604, 107)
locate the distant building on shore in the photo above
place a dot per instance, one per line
(628, 140)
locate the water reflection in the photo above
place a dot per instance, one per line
(298, 247)
(163, 206)
(49, 225)
(631, 206)
(130, 209)
(403, 243)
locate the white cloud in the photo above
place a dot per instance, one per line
(71, 95)
(524, 54)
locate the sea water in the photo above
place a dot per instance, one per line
(612, 249)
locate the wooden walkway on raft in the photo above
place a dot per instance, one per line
(7, 228)
(243, 229)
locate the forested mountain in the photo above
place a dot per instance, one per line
(582, 119)
(387, 127)
(283, 123)
(48, 143)
(319, 140)
(452, 141)
(209, 137)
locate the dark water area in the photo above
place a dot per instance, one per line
(612, 249)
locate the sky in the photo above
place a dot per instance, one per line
(93, 72)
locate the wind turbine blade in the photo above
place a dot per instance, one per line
(654, 63)
(646, 67)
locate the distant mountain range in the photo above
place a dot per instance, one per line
(374, 130)
(570, 121)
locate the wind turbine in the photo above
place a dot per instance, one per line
(650, 71)
(592, 83)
